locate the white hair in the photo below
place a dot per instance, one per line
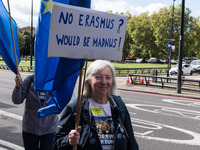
(94, 68)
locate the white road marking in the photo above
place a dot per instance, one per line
(145, 133)
(4, 113)
(194, 141)
(132, 113)
(5, 143)
(183, 102)
(10, 145)
(166, 110)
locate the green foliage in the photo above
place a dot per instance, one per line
(21, 41)
(24, 38)
(127, 44)
(137, 65)
(148, 34)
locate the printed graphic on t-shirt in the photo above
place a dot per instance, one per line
(42, 97)
(105, 129)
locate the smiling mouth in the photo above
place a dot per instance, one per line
(103, 87)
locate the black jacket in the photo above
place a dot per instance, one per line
(89, 138)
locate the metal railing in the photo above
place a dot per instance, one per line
(125, 71)
(21, 68)
(118, 71)
(165, 82)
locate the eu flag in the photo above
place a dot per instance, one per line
(6, 44)
(57, 75)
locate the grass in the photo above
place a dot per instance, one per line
(138, 65)
(22, 63)
(118, 65)
(115, 64)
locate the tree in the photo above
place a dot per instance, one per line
(160, 23)
(148, 33)
(24, 35)
(197, 41)
(21, 42)
(27, 37)
(141, 31)
(127, 42)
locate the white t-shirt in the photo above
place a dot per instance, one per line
(101, 119)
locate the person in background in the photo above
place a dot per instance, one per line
(37, 133)
(104, 122)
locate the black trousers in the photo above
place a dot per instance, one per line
(35, 142)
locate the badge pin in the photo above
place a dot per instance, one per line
(124, 136)
(119, 136)
(121, 130)
(92, 140)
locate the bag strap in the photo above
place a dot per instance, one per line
(121, 105)
(74, 104)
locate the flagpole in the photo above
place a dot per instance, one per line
(80, 99)
(84, 78)
(78, 107)
(31, 41)
(13, 38)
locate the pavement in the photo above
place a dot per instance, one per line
(121, 85)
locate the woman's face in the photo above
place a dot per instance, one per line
(101, 82)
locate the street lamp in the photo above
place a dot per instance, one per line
(170, 51)
(172, 20)
(31, 42)
(180, 53)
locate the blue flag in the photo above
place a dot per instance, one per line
(57, 75)
(6, 44)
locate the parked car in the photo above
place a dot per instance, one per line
(173, 61)
(155, 60)
(186, 69)
(130, 60)
(141, 60)
(195, 65)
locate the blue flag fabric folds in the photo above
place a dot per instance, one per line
(57, 75)
(6, 44)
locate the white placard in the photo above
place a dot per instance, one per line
(77, 32)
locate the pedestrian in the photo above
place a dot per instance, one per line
(37, 133)
(104, 122)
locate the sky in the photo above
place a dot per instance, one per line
(21, 9)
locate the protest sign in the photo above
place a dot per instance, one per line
(77, 32)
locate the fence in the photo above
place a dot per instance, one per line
(118, 71)
(165, 82)
(21, 68)
(125, 71)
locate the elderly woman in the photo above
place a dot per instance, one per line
(104, 122)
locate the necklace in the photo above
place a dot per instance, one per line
(99, 110)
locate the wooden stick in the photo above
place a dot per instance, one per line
(78, 107)
(13, 38)
(84, 79)
(80, 99)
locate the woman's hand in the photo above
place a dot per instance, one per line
(18, 81)
(74, 136)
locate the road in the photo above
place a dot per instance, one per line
(159, 122)
(10, 114)
(164, 122)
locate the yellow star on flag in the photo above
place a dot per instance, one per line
(48, 6)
